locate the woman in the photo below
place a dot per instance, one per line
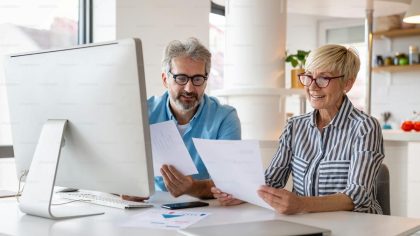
(333, 152)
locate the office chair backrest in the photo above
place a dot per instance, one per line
(382, 188)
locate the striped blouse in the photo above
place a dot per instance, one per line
(344, 158)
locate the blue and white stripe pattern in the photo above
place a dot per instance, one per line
(344, 158)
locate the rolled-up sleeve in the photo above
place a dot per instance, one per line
(368, 153)
(279, 169)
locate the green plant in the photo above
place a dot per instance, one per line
(297, 59)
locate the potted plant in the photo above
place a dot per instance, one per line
(297, 60)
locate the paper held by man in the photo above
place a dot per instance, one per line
(235, 166)
(168, 148)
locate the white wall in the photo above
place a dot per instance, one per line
(104, 14)
(395, 92)
(302, 34)
(157, 22)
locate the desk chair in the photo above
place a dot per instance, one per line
(382, 189)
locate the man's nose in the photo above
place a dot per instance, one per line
(189, 87)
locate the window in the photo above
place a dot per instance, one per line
(352, 34)
(28, 25)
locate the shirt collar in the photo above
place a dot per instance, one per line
(339, 119)
(168, 108)
(313, 118)
(200, 107)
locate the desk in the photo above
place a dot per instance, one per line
(14, 222)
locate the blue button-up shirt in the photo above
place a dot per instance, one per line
(211, 121)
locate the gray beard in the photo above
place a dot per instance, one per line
(186, 107)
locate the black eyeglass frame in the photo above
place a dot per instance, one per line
(321, 77)
(189, 78)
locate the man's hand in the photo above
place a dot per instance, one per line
(281, 200)
(225, 199)
(133, 198)
(176, 183)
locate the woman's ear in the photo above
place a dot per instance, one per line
(348, 84)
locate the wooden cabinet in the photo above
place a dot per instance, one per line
(401, 68)
(396, 33)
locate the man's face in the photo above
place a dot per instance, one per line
(184, 98)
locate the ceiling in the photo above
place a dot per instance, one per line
(342, 8)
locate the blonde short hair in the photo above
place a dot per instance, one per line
(336, 59)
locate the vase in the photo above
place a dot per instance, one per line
(295, 83)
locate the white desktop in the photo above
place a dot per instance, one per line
(13, 222)
(80, 115)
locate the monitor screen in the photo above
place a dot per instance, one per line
(100, 90)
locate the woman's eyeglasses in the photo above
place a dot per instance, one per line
(321, 81)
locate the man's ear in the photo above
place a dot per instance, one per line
(164, 80)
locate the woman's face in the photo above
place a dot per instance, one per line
(329, 97)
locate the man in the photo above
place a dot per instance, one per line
(185, 69)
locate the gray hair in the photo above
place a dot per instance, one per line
(191, 48)
(334, 58)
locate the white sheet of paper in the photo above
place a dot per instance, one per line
(168, 148)
(235, 166)
(164, 219)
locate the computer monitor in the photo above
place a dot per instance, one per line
(94, 96)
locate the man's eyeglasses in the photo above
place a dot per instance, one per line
(321, 82)
(182, 79)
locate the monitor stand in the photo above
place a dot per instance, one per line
(37, 195)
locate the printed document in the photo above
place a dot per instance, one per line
(168, 148)
(235, 166)
(164, 219)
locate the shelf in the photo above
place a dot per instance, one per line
(399, 135)
(258, 92)
(404, 68)
(397, 33)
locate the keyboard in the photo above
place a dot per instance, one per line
(103, 200)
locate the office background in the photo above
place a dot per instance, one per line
(158, 22)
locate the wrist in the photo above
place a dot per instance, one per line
(192, 187)
(201, 189)
(304, 204)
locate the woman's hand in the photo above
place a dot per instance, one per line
(281, 200)
(224, 199)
